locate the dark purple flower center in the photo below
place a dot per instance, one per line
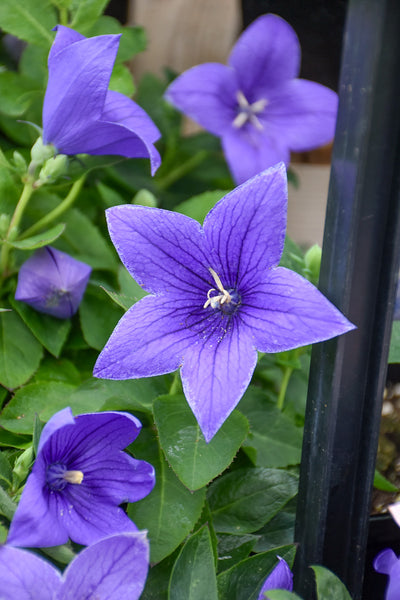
(227, 301)
(57, 477)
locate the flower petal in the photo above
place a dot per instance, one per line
(86, 517)
(124, 129)
(25, 576)
(287, 311)
(249, 152)
(215, 374)
(280, 578)
(162, 250)
(207, 94)
(35, 524)
(90, 435)
(150, 339)
(266, 54)
(385, 561)
(116, 479)
(114, 568)
(302, 114)
(79, 75)
(60, 419)
(246, 229)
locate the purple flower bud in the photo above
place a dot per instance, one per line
(52, 282)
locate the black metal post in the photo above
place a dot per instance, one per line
(359, 269)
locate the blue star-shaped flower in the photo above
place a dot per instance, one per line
(257, 104)
(217, 296)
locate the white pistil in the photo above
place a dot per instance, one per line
(248, 112)
(73, 476)
(222, 298)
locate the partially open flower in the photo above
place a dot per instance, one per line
(280, 578)
(79, 479)
(115, 568)
(387, 562)
(80, 114)
(52, 282)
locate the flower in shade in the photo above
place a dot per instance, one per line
(80, 114)
(280, 578)
(78, 480)
(257, 105)
(52, 282)
(387, 562)
(217, 296)
(114, 568)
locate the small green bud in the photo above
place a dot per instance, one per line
(4, 224)
(40, 153)
(312, 260)
(22, 466)
(52, 169)
(20, 162)
(145, 198)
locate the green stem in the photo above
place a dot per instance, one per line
(282, 392)
(56, 212)
(63, 13)
(183, 169)
(14, 224)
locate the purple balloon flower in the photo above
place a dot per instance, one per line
(257, 105)
(52, 282)
(280, 578)
(80, 114)
(114, 568)
(217, 296)
(387, 562)
(79, 478)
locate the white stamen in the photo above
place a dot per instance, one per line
(223, 298)
(73, 476)
(248, 111)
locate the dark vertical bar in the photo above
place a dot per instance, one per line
(358, 273)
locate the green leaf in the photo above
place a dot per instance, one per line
(5, 470)
(122, 81)
(244, 581)
(84, 242)
(168, 500)
(45, 399)
(245, 499)
(7, 506)
(233, 549)
(132, 394)
(61, 554)
(193, 576)
(329, 587)
(194, 461)
(123, 301)
(98, 317)
(109, 196)
(157, 582)
(39, 240)
(198, 206)
(128, 285)
(85, 13)
(394, 350)
(51, 332)
(13, 97)
(8, 439)
(20, 352)
(292, 256)
(29, 20)
(273, 436)
(279, 530)
(381, 483)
